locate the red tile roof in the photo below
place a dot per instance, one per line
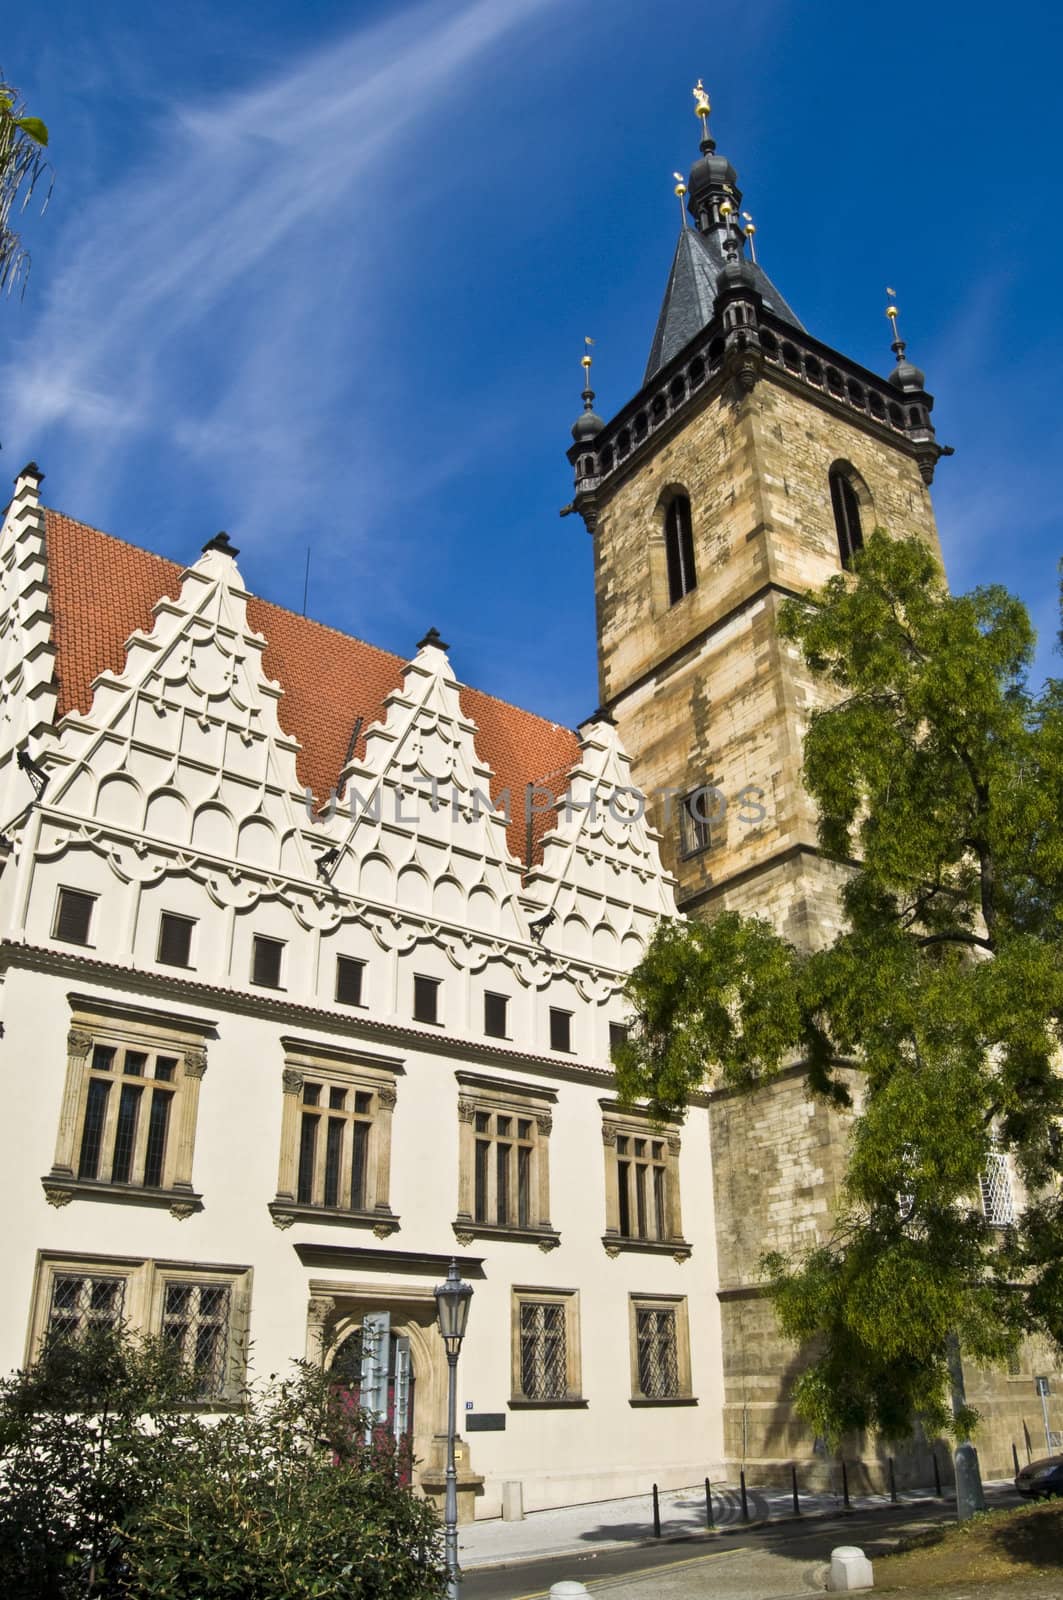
(102, 589)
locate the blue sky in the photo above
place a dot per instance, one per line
(320, 274)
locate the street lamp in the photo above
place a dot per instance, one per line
(452, 1308)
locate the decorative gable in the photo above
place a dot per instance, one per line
(601, 873)
(418, 827)
(184, 745)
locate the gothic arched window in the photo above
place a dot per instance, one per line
(679, 548)
(846, 506)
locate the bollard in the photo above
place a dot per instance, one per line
(849, 1569)
(567, 1589)
(1015, 1457)
(708, 1505)
(937, 1475)
(793, 1482)
(845, 1486)
(745, 1502)
(893, 1484)
(656, 1513)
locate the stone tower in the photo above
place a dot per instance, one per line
(748, 468)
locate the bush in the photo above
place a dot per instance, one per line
(112, 1487)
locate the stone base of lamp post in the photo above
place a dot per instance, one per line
(433, 1478)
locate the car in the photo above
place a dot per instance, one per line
(1041, 1478)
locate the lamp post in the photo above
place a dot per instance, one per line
(452, 1308)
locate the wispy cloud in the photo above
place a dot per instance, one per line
(198, 298)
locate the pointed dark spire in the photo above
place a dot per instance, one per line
(701, 253)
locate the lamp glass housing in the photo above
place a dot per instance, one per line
(452, 1305)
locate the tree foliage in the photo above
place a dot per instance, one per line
(114, 1484)
(23, 140)
(935, 1014)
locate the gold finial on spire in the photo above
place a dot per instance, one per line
(749, 230)
(586, 360)
(680, 194)
(891, 310)
(701, 100)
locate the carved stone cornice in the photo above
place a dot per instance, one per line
(286, 1211)
(60, 1189)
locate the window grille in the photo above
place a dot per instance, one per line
(195, 1323)
(543, 1356)
(997, 1199)
(658, 1359)
(175, 940)
(266, 961)
(73, 916)
(846, 509)
(334, 1146)
(679, 549)
(349, 975)
(81, 1303)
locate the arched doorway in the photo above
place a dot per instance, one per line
(374, 1365)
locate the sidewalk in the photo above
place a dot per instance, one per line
(606, 1524)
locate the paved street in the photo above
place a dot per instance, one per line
(779, 1561)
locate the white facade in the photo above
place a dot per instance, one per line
(312, 1162)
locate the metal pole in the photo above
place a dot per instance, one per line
(1015, 1457)
(793, 1481)
(745, 1502)
(845, 1485)
(656, 1513)
(1048, 1431)
(893, 1483)
(708, 1505)
(937, 1475)
(450, 1508)
(1026, 1442)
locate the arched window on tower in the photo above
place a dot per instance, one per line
(846, 506)
(679, 548)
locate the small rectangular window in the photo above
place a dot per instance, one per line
(618, 1032)
(175, 940)
(496, 1007)
(425, 999)
(695, 820)
(560, 1029)
(73, 916)
(266, 961)
(349, 981)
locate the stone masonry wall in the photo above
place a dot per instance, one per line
(706, 693)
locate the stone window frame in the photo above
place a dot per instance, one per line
(476, 1092)
(145, 1281)
(677, 1304)
(638, 1122)
(335, 1067)
(98, 1020)
(568, 1299)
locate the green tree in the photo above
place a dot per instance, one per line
(115, 1484)
(934, 1016)
(23, 140)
